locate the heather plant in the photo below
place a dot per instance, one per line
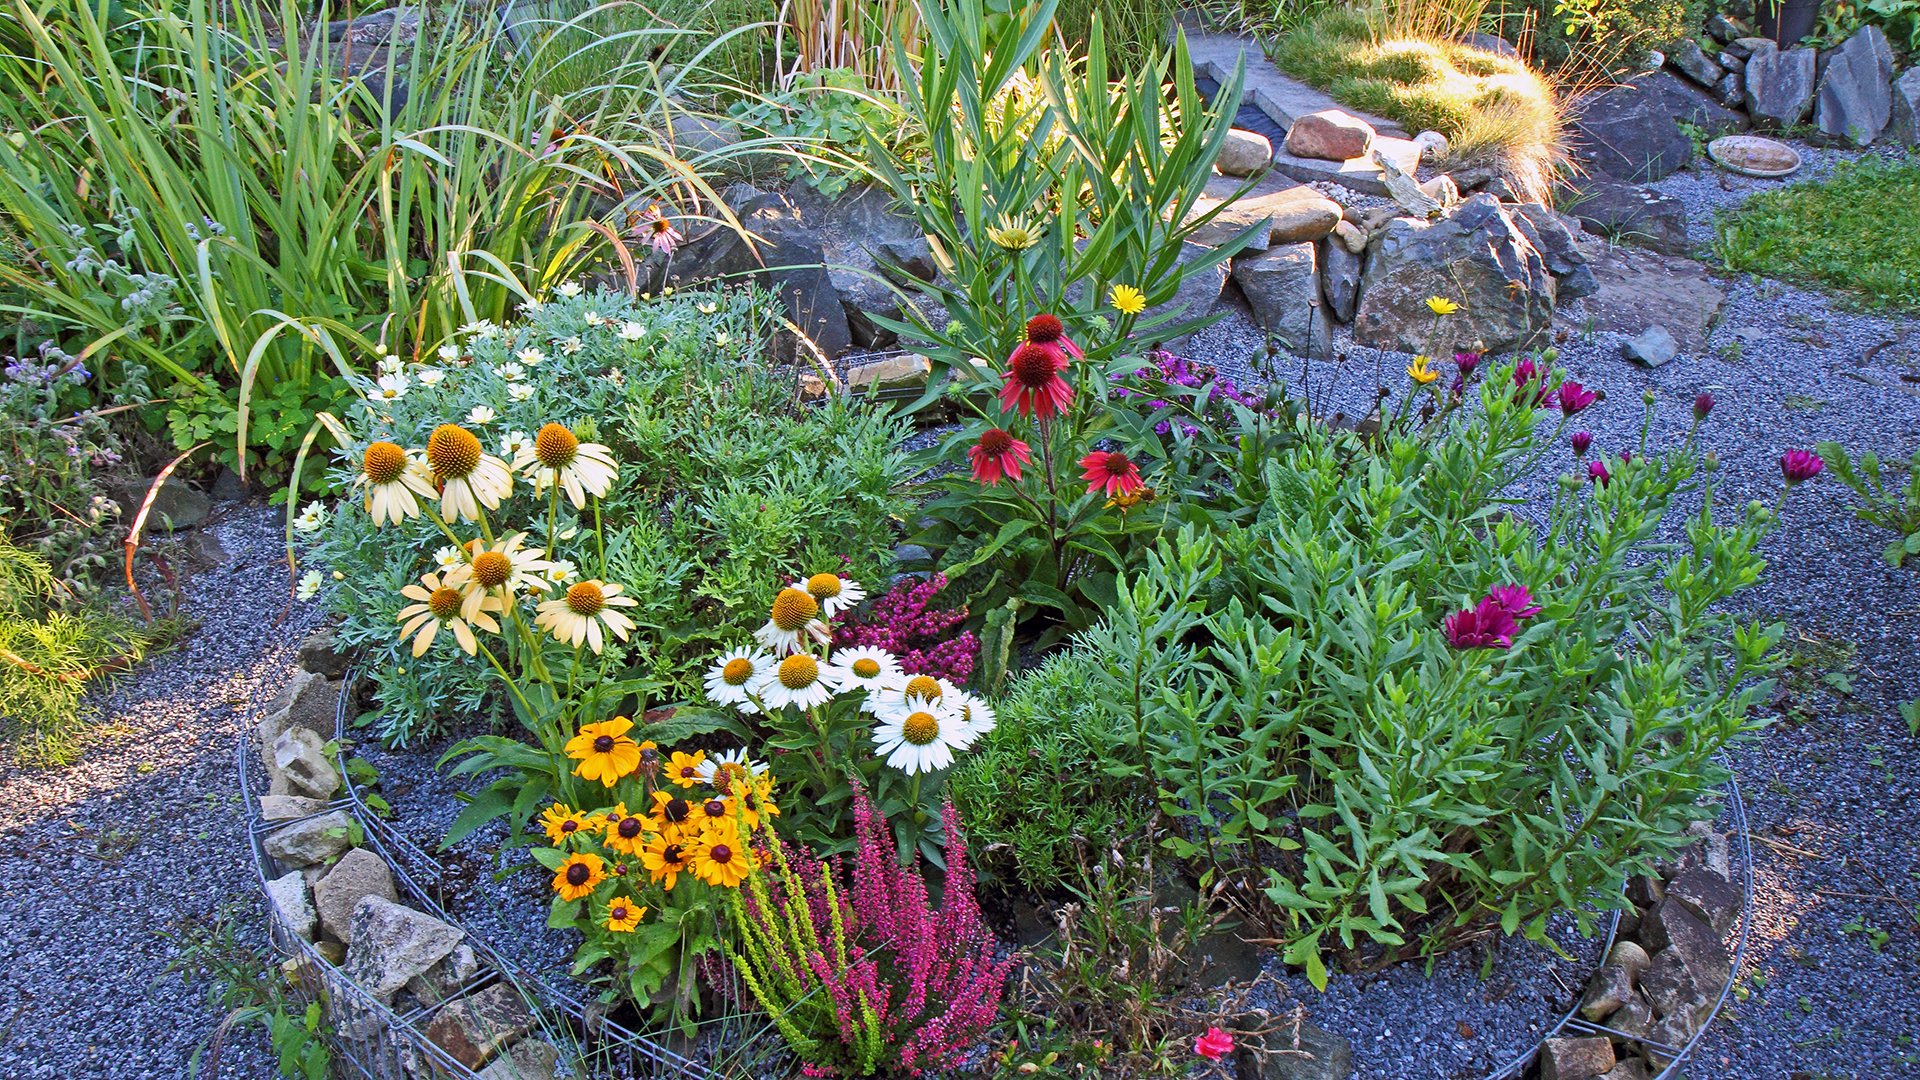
(1341, 707)
(921, 637)
(866, 976)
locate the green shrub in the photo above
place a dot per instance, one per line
(1035, 797)
(1598, 37)
(835, 119)
(727, 488)
(58, 462)
(1892, 508)
(1330, 741)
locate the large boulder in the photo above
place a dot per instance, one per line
(1479, 257)
(309, 701)
(1244, 153)
(1553, 236)
(359, 874)
(175, 504)
(1693, 105)
(1854, 100)
(475, 1028)
(1780, 84)
(390, 944)
(1292, 214)
(1627, 133)
(1282, 286)
(1330, 135)
(1903, 117)
(1637, 290)
(782, 254)
(859, 234)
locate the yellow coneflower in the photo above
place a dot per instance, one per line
(579, 615)
(392, 479)
(579, 875)
(664, 857)
(441, 604)
(469, 477)
(605, 751)
(672, 813)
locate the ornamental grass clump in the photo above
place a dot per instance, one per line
(868, 976)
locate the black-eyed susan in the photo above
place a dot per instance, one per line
(439, 604)
(799, 680)
(664, 857)
(605, 751)
(558, 457)
(684, 769)
(562, 823)
(504, 566)
(623, 914)
(720, 857)
(795, 615)
(626, 831)
(714, 811)
(392, 478)
(832, 592)
(731, 679)
(579, 615)
(1127, 300)
(469, 477)
(918, 736)
(579, 875)
(757, 803)
(671, 812)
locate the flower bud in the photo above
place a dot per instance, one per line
(1702, 405)
(1648, 398)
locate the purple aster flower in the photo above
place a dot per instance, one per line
(1799, 466)
(1516, 599)
(1581, 440)
(1597, 472)
(1702, 405)
(1486, 625)
(1466, 361)
(1575, 398)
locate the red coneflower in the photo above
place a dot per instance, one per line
(1048, 332)
(998, 456)
(1034, 383)
(1111, 471)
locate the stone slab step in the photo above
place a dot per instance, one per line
(1276, 93)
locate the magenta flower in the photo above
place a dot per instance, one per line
(1799, 466)
(1516, 599)
(1702, 405)
(1486, 625)
(1575, 398)
(1214, 1044)
(1526, 374)
(1581, 440)
(1597, 472)
(1466, 362)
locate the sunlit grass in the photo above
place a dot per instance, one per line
(1857, 231)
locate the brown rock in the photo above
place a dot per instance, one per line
(908, 371)
(1714, 899)
(1330, 135)
(1575, 1059)
(475, 1028)
(290, 807)
(359, 874)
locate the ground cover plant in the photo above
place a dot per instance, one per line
(1854, 232)
(1882, 500)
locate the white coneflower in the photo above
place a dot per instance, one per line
(442, 605)
(309, 585)
(504, 566)
(531, 356)
(557, 456)
(447, 556)
(392, 479)
(529, 307)
(895, 692)
(481, 415)
(632, 331)
(723, 770)
(469, 477)
(918, 736)
(519, 391)
(795, 614)
(976, 716)
(430, 376)
(510, 371)
(835, 593)
(579, 615)
(311, 519)
(865, 668)
(799, 680)
(731, 679)
(388, 388)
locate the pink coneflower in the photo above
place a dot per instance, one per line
(1034, 384)
(998, 455)
(1581, 440)
(1597, 472)
(1516, 599)
(1702, 405)
(1111, 471)
(657, 231)
(1575, 398)
(1799, 466)
(1213, 1045)
(1486, 625)
(1048, 332)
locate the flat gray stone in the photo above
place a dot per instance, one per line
(1293, 212)
(290, 807)
(391, 944)
(309, 841)
(359, 874)
(300, 766)
(1339, 278)
(1780, 85)
(1638, 289)
(1854, 100)
(1282, 286)
(1652, 347)
(1903, 116)
(1581, 1058)
(288, 894)
(1689, 59)
(1282, 97)
(1357, 174)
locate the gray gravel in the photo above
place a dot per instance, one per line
(1833, 788)
(105, 865)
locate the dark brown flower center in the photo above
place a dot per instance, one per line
(603, 744)
(619, 912)
(578, 873)
(676, 810)
(995, 442)
(715, 808)
(1033, 366)
(628, 828)
(672, 855)
(569, 826)
(720, 853)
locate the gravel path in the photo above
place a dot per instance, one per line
(1833, 787)
(106, 866)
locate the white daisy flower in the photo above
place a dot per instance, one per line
(799, 681)
(976, 716)
(513, 442)
(721, 338)
(309, 585)
(733, 676)
(560, 571)
(470, 478)
(519, 391)
(569, 289)
(430, 376)
(530, 306)
(389, 365)
(718, 770)
(571, 346)
(835, 593)
(592, 318)
(865, 668)
(311, 519)
(510, 371)
(388, 388)
(557, 456)
(632, 331)
(482, 330)
(481, 415)
(795, 614)
(707, 307)
(447, 556)
(615, 376)
(450, 353)
(531, 356)
(919, 736)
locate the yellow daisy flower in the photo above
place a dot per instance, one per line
(626, 831)
(605, 751)
(623, 915)
(719, 857)
(664, 857)
(1421, 370)
(1127, 300)
(562, 823)
(684, 769)
(672, 813)
(1440, 305)
(579, 875)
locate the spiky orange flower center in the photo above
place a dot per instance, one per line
(793, 610)
(444, 602)
(383, 463)
(920, 728)
(866, 667)
(995, 442)
(925, 687)
(555, 446)
(799, 671)
(824, 586)
(492, 569)
(586, 598)
(453, 451)
(737, 672)
(1034, 366)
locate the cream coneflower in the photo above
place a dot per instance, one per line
(504, 566)
(440, 604)
(469, 477)
(835, 593)
(918, 736)
(392, 479)
(800, 681)
(557, 456)
(577, 616)
(795, 614)
(731, 679)
(864, 668)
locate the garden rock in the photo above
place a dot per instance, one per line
(1903, 116)
(1674, 990)
(1854, 100)
(1316, 1053)
(320, 654)
(1731, 90)
(911, 256)
(1350, 236)
(290, 807)
(473, 1029)
(1633, 1018)
(1710, 897)
(528, 1059)
(1291, 214)
(1652, 347)
(1244, 153)
(175, 506)
(1780, 85)
(1632, 214)
(1670, 927)
(782, 254)
(1745, 47)
(308, 701)
(1691, 60)
(1610, 987)
(359, 874)
(1433, 146)
(1732, 61)
(855, 229)
(1726, 29)
(1630, 956)
(1552, 235)
(300, 766)
(1710, 849)
(1339, 278)
(1282, 286)
(1627, 133)
(1690, 104)
(288, 894)
(1628, 1069)
(1492, 43)
(1641, 289)
(446, 978)
(314, 840)
(1504, 283)
(390, 944)
(908, 371)
(1580, 1058)
(1330, 135)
